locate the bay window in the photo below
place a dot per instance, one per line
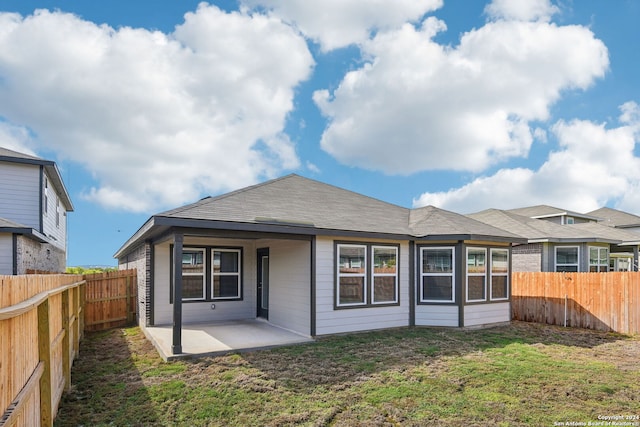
(476, 274)
(499, 274)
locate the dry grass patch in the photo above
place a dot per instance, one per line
(522, 374)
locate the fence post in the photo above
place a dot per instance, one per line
(44, 352)
(66, 343)
(82, 306)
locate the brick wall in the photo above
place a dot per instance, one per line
(527, 257)
(140, 259)
(32, 255)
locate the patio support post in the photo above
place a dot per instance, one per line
(178, 240)
(636, 259)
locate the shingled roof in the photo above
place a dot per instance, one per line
(295, 204)
(616, 218)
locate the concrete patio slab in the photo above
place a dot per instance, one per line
(209, 339)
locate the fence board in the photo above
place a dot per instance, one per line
(602, 301)
(110, 300)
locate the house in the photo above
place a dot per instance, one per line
(317, 259)
(560, 240)
(34, 203)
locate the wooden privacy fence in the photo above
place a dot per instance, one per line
(41, 322)
(600, 301)
(111, 299)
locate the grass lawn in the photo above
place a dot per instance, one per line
(522, 374)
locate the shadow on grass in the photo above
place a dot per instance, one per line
(107, 387)
(337, 360)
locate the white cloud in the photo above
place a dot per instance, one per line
(339, 23)
(595, 165)
(522, 10)
(418, 105)
(15, 138)
(158, 118)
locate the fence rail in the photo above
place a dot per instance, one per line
(40, 329)
(42, 319)
(601, 301)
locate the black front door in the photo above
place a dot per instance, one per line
(263, 283)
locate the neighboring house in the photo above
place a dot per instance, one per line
(617, 219)
(580, 245)
(33, 214)
(553, 214)
(317, 260)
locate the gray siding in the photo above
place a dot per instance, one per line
(437, 315)
(487, 314)
(331, 321)
(6, 254)
(54, 221)
(20, 184)
(289, 284)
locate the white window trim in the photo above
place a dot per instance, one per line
(238, 274)
(204, 270)
(599, 248)
(492, 274)
(374, 275)
(339, 275)
(452, 275)
(483, 274)
(555, 257)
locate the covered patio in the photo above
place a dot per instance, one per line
(210, 339)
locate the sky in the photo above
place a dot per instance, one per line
(148, 105)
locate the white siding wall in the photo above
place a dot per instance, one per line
(56, 230)
(331, 321)
(487, 314)
(194, 312)
(6, 254)
(20, 193)
(289, 284)
(437, 315)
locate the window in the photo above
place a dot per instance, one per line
(437, 274)
(57, 212)
(351, 274)
(46, 196)
(209, 274)
(598, 259)
(193, 274)
(476, 274)
(570, 220)
(366, 275)
(499, 274)
(385, 275)
(567, 258)
(226, 274)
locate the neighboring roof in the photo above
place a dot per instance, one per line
(625, 237)
(8, 226)
(616, 218)
(294, 204)
(545, 211)
(7, 155)
(433, 222)
(536, 230)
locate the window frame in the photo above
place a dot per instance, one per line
(483, 274)
(340, 274)
(452, 274)
(555, 259)
(599, 265)
(208, 278)
(368, 275)
(374, 275)
(507, 275)
(203, 274)
(226, 274)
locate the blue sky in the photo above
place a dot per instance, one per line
(149, 105)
